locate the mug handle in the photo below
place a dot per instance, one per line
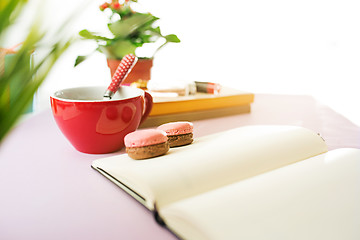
(148, 106)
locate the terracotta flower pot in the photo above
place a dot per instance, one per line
(141, 71)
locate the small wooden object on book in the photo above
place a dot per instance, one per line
(199, 106)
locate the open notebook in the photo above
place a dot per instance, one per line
(255, 182)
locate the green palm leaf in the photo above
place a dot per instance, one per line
(25, 79)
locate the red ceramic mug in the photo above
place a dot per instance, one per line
(94, 125)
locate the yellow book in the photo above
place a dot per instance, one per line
(201, 101)
(199, 106)
(152, 121)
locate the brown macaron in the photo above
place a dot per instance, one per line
(178, 133)
(148, 143)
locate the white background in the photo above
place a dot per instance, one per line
(261, 46)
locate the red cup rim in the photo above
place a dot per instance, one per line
(56, 94)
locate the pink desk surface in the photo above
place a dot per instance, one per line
(49, 191)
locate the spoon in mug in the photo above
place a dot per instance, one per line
(124, 68)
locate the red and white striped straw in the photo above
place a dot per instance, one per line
(124, 68)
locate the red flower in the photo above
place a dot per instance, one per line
(116, 5)
(104, 6)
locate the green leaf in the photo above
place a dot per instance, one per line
(125, 27)
(9, 10)
(169, 38)
(156, 31)
(89, 35)
(79, 60)
(147, 38)
(118, 49)
(172, 38)
(22, 77)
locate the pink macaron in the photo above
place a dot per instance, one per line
(148, 143)
(178, 133)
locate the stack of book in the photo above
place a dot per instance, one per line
(199, 106)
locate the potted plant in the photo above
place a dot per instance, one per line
(130, 30)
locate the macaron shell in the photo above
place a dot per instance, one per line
(177, 128)
(146, 137)
(180, 140)
(146, 152)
